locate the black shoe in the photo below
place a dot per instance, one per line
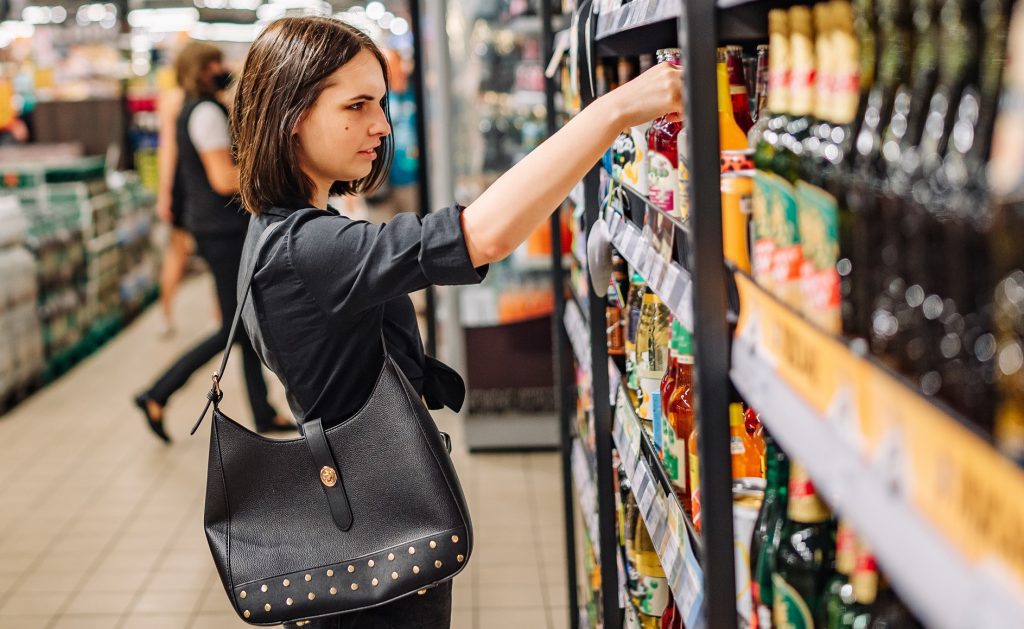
(155, 424)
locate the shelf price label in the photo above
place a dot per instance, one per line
(669, 281)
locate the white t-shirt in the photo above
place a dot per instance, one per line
(208, 128)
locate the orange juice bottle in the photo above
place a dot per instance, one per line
(746, 460)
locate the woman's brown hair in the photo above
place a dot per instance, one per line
(190, 64)
(284, 74)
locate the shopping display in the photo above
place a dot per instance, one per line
(78, 258)
(869, 185)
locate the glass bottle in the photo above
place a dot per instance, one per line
(652, 361)
(765, 181)
(922, 209)
(817, 208)
(680, 410)
(786, 259)
(673, 444)
(806, 555)
(653, 590)
(965, 213)
(693, 463)
(865, 583)
(894, 22)
(746, 462)
(768, 530)
(1006, 178)
(738, 88)
(632, 315)
(662, 144)
(761, 98)
(837, 604)
(899, 152)
(731, 136)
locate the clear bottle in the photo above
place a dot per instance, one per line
(761, 100)
(652, 361)
(662, 146)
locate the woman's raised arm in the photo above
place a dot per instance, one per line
(507, 212)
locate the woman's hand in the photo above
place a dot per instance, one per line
(656, 92)
(505, 214)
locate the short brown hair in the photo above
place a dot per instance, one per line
(190, 63)
(285, 72)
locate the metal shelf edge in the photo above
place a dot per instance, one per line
(934, 578)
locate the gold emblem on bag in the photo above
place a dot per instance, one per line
(328, 476)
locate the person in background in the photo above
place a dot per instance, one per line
(169, 206)
(208, 176)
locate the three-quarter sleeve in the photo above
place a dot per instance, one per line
(351, 266)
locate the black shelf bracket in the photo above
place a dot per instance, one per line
(711, 334)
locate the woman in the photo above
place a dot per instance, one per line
(208, 177)
(310, 120)
(169, 202)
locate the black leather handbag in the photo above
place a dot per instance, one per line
(338, 520)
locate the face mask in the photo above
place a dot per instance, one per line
(223, 80)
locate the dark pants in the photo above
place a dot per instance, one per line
(433, 610)
(223, 254)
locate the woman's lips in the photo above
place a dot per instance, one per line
(370, 154)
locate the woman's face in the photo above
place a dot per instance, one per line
(338, 135)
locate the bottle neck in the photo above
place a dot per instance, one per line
(804, 504)
(724, 102)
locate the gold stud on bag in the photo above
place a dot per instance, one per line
(281, 512)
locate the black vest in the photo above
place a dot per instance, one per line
(207, 213)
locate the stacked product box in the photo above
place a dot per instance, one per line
(21, 347)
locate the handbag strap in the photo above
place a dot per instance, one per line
(215, 395)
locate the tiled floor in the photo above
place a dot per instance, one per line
(101, 525)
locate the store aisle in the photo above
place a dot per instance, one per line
(101, 525)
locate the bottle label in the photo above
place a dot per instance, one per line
(663, 181)
(654, 595)
(673, 453)
(790, 609)
(818, 224)
(782, 225)
(761, 229)
(736, 446)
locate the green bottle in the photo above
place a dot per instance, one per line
(837, 606)
(767, 530)
(805, 561)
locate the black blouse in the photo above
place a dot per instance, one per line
(325, 289)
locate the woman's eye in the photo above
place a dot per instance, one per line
(356, 106)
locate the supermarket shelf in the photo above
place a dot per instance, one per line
(579, 335)
(662, 513)
(651, 457)
(927, 494)
(586, 493)
(671, 282)
(640, 27)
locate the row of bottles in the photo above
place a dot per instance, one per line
(655, 352)
(652, 605)
(873, 212)
(806, 570)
